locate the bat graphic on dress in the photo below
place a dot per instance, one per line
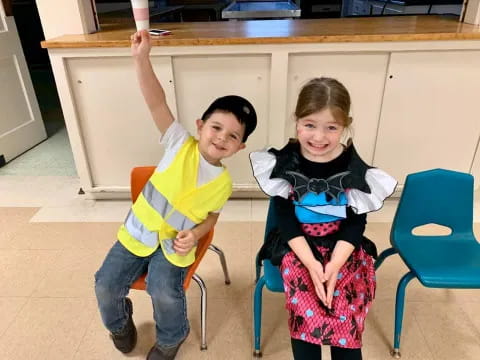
(333, 186)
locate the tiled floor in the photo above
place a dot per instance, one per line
(52, 241)
(51, 157)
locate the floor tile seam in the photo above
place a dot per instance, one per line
(28, 220)
(471, 323)
(422, 332)
(92, 250)
(119, 222)
(56, 297)
(430, 301)
(21, 204)
(25, 250)
(47, 271)
(19, 207)
(78, 221)
(16, 315)
(221, 298)
(85, 333)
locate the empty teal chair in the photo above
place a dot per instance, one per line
(271, 279)
(440, 197)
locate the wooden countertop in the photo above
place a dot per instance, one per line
(400, 28)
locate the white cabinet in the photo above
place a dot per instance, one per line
(415, 105)
(430, 112)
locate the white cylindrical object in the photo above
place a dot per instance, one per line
(142, 24)
(141, 14)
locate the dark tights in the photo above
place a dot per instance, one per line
(306, 351)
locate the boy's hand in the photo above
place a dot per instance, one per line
(141, 44)
(184, 242)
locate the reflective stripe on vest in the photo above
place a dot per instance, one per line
(171, 202)
(175, 219)
(161, 205)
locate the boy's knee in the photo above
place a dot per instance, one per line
(164, 293)
(105, 285)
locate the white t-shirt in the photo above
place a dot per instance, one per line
(173, 140)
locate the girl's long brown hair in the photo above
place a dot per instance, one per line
(321, 93)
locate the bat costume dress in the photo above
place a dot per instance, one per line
(324, 202)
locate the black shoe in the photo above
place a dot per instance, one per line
(126, 339)
(159, 352)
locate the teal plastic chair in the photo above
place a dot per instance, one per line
(440, 197)
(271, 279)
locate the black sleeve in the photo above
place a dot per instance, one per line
(287, 221)
(352, 228)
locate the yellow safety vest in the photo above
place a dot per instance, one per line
(171, 201)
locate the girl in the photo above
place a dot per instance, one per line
(322, 191)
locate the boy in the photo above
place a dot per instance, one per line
(178, 205)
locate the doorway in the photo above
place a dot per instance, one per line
(31, 34)
(53, 156)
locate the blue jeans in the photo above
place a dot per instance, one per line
(164, 285)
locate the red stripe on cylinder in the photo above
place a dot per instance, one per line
(141, 14)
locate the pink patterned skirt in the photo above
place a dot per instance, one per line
(310, 320)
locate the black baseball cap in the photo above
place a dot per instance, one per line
(238, 106)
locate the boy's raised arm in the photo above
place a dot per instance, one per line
(150, 86)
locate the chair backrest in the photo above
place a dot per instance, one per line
(437, 196)
(272, 221)
(138, 178)
(272, 276)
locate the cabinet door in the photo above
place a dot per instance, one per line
(115, 129)
(21, 124)
(201, 79)
(362, 74)
(430, 112)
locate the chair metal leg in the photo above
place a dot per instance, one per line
(222, 260)
(383, 255)
(399, 305)
(203, 310)
(257, 315)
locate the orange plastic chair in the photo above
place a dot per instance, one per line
(138, 178)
